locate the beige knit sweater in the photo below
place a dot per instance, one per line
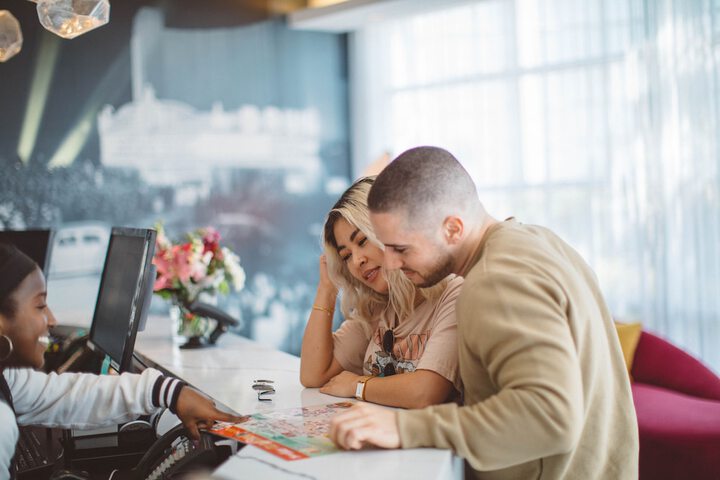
(547, 395)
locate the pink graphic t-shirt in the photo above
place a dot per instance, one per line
(426, 340)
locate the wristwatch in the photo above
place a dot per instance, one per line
(360, 389)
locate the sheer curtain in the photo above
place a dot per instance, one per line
(598, 119)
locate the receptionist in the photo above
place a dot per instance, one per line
(70, 400)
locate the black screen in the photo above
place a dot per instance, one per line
(33, 243)
(120, 298)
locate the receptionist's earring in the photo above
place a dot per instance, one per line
(6, 347)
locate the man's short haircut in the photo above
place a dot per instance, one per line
(424, 182)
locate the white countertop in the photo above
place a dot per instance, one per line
(227, 371)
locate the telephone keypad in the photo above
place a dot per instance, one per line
(181, 449)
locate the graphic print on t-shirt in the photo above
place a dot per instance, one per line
(402, 358)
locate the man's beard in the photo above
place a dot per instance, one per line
(438, 272)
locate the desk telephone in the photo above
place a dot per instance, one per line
(224, 321)
(174, 455)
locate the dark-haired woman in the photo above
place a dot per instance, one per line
(70, 400)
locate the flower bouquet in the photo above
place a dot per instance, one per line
(197, 266)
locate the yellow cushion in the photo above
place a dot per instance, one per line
(629, 335)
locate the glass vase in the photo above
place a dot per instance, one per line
(189, 330)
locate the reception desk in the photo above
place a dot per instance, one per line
(227, 371)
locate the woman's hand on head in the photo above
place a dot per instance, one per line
(197, 411)
(341, 385)
(325, 282)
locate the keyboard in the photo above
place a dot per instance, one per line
(30, 453)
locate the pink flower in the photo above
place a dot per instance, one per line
(199, 267)
(210, 239)
(182, 267)
(161, 283)
(163, 270)
(185, 270)
(173, 263)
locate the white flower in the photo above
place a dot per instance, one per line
(234, 270)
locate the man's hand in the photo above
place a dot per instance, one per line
(196, 411)
(364, 425)
(343, 384)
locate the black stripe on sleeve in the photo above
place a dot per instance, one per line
(175, 395)
(166, 391)
(156, 391)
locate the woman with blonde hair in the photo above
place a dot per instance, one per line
(391, 327)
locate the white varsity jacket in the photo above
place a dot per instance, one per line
(78, 400)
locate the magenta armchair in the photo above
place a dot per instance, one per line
(677, 400)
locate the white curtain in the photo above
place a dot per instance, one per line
(598, 119)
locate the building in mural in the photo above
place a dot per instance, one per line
(173, 144)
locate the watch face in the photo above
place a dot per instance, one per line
(359, 390)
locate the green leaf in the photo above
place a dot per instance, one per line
(164, 294)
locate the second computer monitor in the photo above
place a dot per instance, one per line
(36, 244)
(122, 295)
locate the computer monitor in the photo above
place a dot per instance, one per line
(36, 244)
(122, 297)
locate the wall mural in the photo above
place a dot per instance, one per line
(243, 128)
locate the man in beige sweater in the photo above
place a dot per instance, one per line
(547, 395)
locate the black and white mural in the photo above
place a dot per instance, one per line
(158, 118)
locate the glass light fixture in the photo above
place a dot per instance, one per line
(11, 38)
(70, 18)
(65, 18)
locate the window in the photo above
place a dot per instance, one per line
(597, 119)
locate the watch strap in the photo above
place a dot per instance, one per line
(360, 389)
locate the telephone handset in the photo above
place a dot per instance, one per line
(175, 453)
(224, 321)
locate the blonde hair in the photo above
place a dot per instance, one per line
(358, 300)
